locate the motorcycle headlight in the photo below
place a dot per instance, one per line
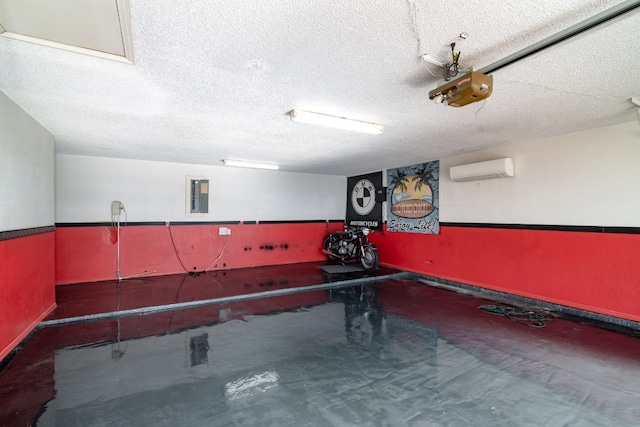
(366, 231)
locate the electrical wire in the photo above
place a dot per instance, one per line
(483, 104)
(220, 255)
(206, 270)
(414, 22)
(176, 249)
(451, 70)
(115, 223)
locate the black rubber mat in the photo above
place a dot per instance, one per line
(337, 269)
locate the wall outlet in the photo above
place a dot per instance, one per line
(224, 231)
(116, 208)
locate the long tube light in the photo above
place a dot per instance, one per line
(247, 164)
(335, 122)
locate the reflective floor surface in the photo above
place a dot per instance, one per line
(387, 350)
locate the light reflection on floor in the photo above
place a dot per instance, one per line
(389, 353)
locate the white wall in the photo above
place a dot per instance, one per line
(587, 178)
(26, 170)
(156, 191)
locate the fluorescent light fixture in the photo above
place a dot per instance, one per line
(246, 164)
(335, 122)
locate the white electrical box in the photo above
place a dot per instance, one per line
(224, 231)
(116, 208)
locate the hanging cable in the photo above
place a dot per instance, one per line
(451, 70)
(176, 249)
(116, 208)
(483, 104)
(219, 255)
(414, 22)
(413, 11)
(206, 270)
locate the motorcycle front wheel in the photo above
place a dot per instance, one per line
(369, 259)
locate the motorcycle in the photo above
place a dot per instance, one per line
(350, 245)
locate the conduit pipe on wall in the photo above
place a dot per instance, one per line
(607, 15)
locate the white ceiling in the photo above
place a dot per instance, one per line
(216, 79)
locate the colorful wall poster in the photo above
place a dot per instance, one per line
(412, 198)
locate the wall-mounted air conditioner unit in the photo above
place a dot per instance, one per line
(499, 168)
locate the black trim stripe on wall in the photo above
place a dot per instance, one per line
(310, 221)
(143, 223)
(540, 227)
(156, 223)
(544, 227)
(25, 232)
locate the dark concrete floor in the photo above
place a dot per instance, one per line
(296, 345)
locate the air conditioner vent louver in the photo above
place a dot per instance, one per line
(499, 168)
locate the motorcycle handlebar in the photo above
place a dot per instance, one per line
(363, 230)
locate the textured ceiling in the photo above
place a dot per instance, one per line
(215, 79)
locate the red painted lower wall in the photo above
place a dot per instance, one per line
(597, 272)
(586, 270)
(89, 253)
(27, 282)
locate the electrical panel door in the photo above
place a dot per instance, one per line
(199, 196)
